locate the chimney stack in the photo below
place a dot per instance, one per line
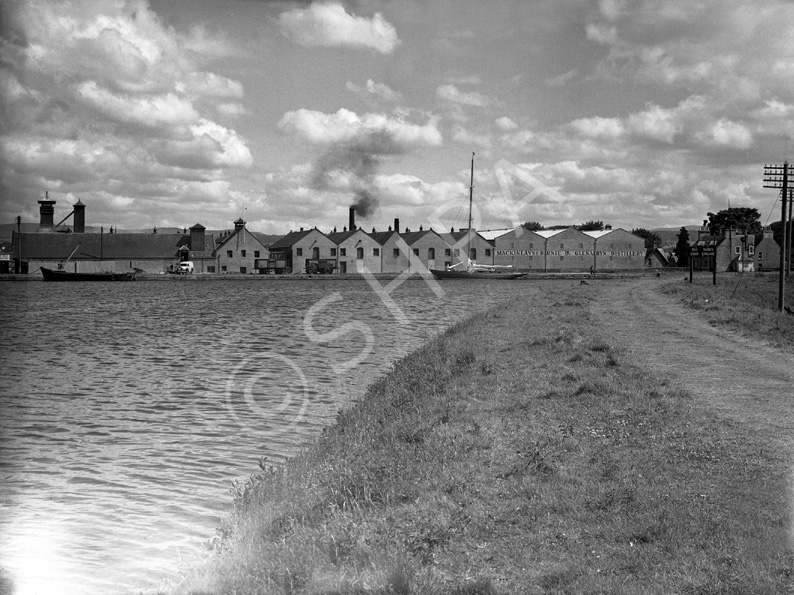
(47, 213)
(197, 243)
(396, 225)
(352, 221)
(79, 217)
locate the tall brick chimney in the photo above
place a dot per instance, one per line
(79, 217)
(396, 225)
(47, 213)
(352, 221)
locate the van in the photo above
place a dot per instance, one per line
(185, 268)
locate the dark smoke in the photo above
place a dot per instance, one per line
(360, 161)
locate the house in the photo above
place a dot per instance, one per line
(655, 258)
(426, 250)
(732, 250)
(767, 252)
(356, 251)
(298, 250)
(240, 251)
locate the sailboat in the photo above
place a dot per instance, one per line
(470, 269)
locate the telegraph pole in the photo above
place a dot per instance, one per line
(776, 176)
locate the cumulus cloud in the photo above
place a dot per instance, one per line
(329, 25)
(382, 133)
(106, 100)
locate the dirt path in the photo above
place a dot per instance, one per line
(738, 377)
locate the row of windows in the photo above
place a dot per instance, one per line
(431, 252)
(230, 253)
(581, 246)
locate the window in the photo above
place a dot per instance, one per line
(333, 251)
(256, 253)
(431, 253)
(298, 251)
(531, 246)
(396, 252)
(473, 253)
(737, 249)
(562, 258)
(416, 251)
(487, 252)
(223, 268)
(760, 255)
(242, 253)
(376, 252)
(243, 270)
(562, 246)
(359, 253)
(447, 252)
(457, 251)
(581, 246)
(229, 253)
(343, 251)
(211, 268)
(751, 250)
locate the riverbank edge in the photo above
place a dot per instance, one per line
(516, 452)
(531, 275)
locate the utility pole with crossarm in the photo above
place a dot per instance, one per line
(776, 176)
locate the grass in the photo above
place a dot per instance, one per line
(519, 452)
(745, 303)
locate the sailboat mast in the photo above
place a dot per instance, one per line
(471, 199)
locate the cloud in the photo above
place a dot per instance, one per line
(153, 111)
(562, 79)
(382, 133)
(453, 94)
(374, 90)
(505, 123)
(329, 25)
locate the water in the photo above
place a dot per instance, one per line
(127, 410)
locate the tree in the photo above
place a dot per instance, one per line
(651, 238)
(682, 248)
(591, 226)
(532, 225)
(744, 219)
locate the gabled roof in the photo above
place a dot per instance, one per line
(382, 236)
(290, 239)
(547, 233)
(239, 232)
(492, 234)
(413, 236)
(337, 237)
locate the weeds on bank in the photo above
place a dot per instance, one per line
(745, 303)
(517, 453)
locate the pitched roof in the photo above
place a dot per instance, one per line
(412, 236)
(382, 236)
(58, 246)
(239, 231)
(290, 239)
(337, 237)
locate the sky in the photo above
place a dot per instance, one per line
(158, 113)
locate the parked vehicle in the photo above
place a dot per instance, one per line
(320, 265)
(185, 268)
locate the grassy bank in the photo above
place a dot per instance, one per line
(522, 453)
(745, 303)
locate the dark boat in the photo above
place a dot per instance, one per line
(52, 275)
(475, 272)
(469, 269)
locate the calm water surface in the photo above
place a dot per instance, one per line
(127, 410)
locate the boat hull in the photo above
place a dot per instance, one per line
(453, 274)
(65, 276)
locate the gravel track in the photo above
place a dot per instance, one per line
(736, 376)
